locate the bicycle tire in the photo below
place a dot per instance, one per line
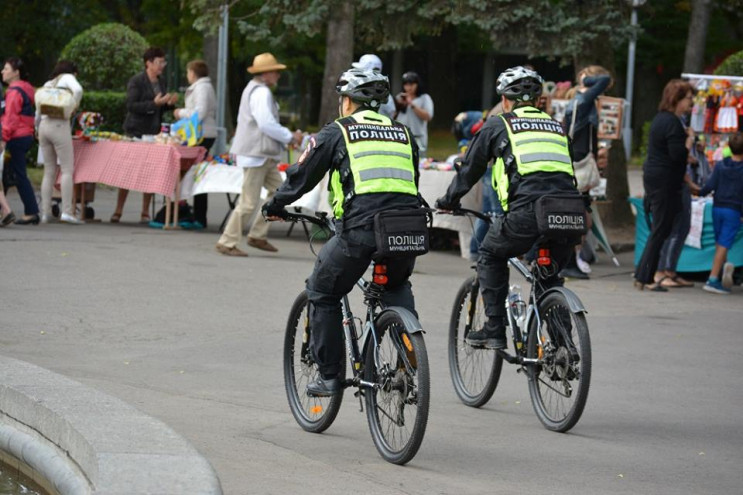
(313, 414)
(474, 372)
(559, 386)
(403, 391)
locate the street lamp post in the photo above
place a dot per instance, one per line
(221, 144)
(627, 134)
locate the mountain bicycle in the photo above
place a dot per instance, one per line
(550, 338)
(388, 362)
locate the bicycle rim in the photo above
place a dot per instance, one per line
(474, 372)
(397, 408)
(314, 414)
(559, 386)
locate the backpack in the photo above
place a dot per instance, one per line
(27, 109)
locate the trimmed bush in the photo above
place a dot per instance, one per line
(110, 104)
(107, 55)
(731, 66)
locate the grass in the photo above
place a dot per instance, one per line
(441, 144)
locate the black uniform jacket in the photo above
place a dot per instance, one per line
(327, 152)
(489, 144)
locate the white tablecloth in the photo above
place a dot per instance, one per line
(219, 178)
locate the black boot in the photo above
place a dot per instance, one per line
(491, 336)
(324, 387)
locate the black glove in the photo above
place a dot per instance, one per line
(271, 210)
(444, 203)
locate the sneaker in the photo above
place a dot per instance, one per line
(489, 337)
(727, 275)
(67, 218)
(715, 287)
(582, 265)
(324, 388)
(45, 218)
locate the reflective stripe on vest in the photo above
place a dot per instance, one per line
(380, 158)
(538, 144)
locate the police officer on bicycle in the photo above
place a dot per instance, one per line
(372, 162)
(532, 159)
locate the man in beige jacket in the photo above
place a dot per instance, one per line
(257, 146)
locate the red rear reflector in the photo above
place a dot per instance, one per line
(543, 259)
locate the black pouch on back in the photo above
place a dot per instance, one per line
(401, 233)
(560, 216)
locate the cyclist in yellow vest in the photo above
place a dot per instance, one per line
(532, 158)
(372, 162)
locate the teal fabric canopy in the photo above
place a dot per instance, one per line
(692, 259)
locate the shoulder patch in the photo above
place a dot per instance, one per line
(311, 145)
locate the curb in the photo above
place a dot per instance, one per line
(82, 441)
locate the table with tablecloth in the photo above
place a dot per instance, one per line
(209, 177)
(693, 259)
(139, 166)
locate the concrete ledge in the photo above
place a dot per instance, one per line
(83, 441)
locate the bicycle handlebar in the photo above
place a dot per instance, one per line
(459, 212)
(320, 218)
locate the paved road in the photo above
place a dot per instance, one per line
(161, 321)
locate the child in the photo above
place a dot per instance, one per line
(727, 183)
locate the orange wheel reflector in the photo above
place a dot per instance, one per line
(316, 409)
(540, 352)
(406, 341)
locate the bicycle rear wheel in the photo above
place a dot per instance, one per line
(474, 371)
(559, 385)
(397, 407)
(314, 414)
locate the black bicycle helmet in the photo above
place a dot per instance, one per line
(520, 84)
(367, 87)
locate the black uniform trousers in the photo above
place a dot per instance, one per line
(662, 204)
(340, 264)
(512, 234)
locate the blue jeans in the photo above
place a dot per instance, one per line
(17, 148)
(490, 205)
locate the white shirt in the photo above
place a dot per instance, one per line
(68, 81)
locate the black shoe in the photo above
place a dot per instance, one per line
(7, 219)
(33, 219)
(324, 388)
(573, 272)
(489, 337)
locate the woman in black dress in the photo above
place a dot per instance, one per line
(663, 175)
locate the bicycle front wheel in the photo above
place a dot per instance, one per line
(474, 371)
(558, 386)
(397, 406)
(314, 414)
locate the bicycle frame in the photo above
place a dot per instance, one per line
(372, 299)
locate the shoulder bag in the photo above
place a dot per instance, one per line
(586, 171)
(55, 102)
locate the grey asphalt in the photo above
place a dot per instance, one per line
(163, 322)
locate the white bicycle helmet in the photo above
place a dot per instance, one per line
(520, 84)
(368, 87)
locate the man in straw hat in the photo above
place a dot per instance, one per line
(258, 144)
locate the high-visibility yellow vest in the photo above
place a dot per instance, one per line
(538, 144)
(380, 158)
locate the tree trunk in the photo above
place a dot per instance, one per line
(338, 57)
(697, 39)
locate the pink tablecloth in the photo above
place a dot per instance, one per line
(146, 167)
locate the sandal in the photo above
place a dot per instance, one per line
(115, 218)
(144, 218)
(654, 287)
(682, 282)
(668, 282)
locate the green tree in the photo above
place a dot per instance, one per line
(107, 55)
